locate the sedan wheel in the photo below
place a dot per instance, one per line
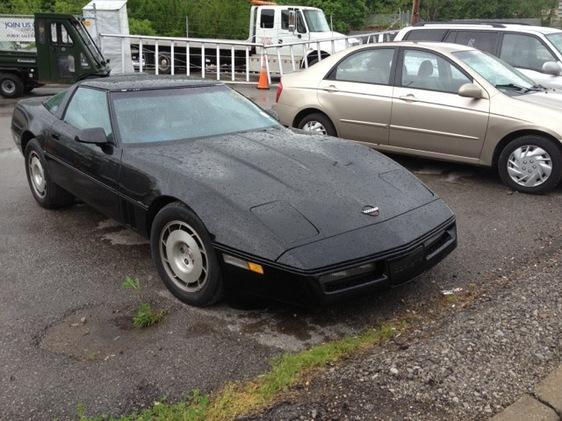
(184, 255)
(315, 127)
(37, 175)
(531, 164)
(317, 123)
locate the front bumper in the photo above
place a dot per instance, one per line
(393, 268)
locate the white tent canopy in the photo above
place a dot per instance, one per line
(110, 17)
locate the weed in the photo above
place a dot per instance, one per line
(131, 283)
(146, 316)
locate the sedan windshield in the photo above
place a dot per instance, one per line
(556, 39)
(496, 71)
(316, 20)
(163, 115)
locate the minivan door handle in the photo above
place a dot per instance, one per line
(408, 98)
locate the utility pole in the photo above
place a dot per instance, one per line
(416, 12)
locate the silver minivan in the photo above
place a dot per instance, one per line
(534, 50)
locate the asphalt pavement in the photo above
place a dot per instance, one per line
(65, 319)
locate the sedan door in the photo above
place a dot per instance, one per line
(357, 95)
(88, 171)
(428, 114)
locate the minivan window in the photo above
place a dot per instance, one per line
(426, 35)
(556, 40)
(485, 41)
(525, 51)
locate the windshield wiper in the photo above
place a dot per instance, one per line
(517, 87)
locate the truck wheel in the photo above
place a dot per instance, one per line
(164, 63)
(11, 86)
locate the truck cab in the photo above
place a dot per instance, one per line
(62, 52)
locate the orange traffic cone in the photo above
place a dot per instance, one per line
(263, 82)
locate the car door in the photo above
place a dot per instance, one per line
(428, 114)
(357, 95)
(88, 171)
(528, 54)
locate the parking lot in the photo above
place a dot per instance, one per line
(67, 339)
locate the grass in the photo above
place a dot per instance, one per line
(243, 398)
(146, 316)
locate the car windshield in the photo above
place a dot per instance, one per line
(316, 20)
(164, 115)
(556, 40)
(496, 71)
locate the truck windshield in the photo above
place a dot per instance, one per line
(496, 71)
(556, 39)
(165, 115)
(89, 42)
(316, 20)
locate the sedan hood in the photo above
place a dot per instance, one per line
(547, 99)
(302, 187)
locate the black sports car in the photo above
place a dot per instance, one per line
(227, 194)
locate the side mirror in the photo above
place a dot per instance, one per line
(551, 68)
(95, 136)
(292, 21)
(470, 90)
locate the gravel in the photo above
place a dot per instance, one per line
(469, 363)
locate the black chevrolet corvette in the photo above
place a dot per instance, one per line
(227, 195)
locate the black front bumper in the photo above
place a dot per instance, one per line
(394, 268)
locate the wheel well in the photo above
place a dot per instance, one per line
(515, 135)
(302, 114)
(155, 207)
(25, 138)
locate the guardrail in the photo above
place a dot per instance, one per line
(228, 59)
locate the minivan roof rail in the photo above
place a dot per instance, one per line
(487, 23)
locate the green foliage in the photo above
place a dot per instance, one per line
(131, 283)
(141, 27)
(146, 316)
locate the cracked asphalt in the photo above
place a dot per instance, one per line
(64, 316)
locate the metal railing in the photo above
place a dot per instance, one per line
(227, 59)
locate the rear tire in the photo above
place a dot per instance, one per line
(164, 63)
(317, 123)
(11, 86)
(48, 194)
(184, 256)
(531, 164)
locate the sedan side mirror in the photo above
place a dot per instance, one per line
(470, 90)
(95, 136)
(551, 68)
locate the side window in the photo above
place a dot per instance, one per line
(525, 51)
(267, 18)
(54, 35)
(368, 66)
(426, 35)
(485, 41)
(301, 27)
(53, 103)
(424, 70)
(65, 38)
(285, 19)
(88, 109)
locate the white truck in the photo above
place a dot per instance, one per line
(292, 33)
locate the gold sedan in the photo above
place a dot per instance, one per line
(440, 101)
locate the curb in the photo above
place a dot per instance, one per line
(544, 404)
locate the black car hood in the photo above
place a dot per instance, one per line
(302, 187)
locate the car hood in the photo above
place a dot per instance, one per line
(548, 99)
(302, 187)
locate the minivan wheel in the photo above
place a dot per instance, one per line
(317, 123)
(530, 164)
(184, 256)
(48, 194)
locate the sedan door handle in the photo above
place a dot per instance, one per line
(408, 98)
(331, 88)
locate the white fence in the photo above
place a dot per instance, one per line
(229, 60)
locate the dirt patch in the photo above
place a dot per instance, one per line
(95, 334)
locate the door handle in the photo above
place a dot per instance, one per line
(331, 88)
(408, 98)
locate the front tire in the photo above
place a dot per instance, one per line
(11, 86)
(184, 256)
(531, 164)
(48, 194)
(317, 123)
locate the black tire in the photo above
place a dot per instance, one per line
(11, 85)
(553, 150)
(320, 118)
(53, 196)
(164, 63)
(212, 288)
